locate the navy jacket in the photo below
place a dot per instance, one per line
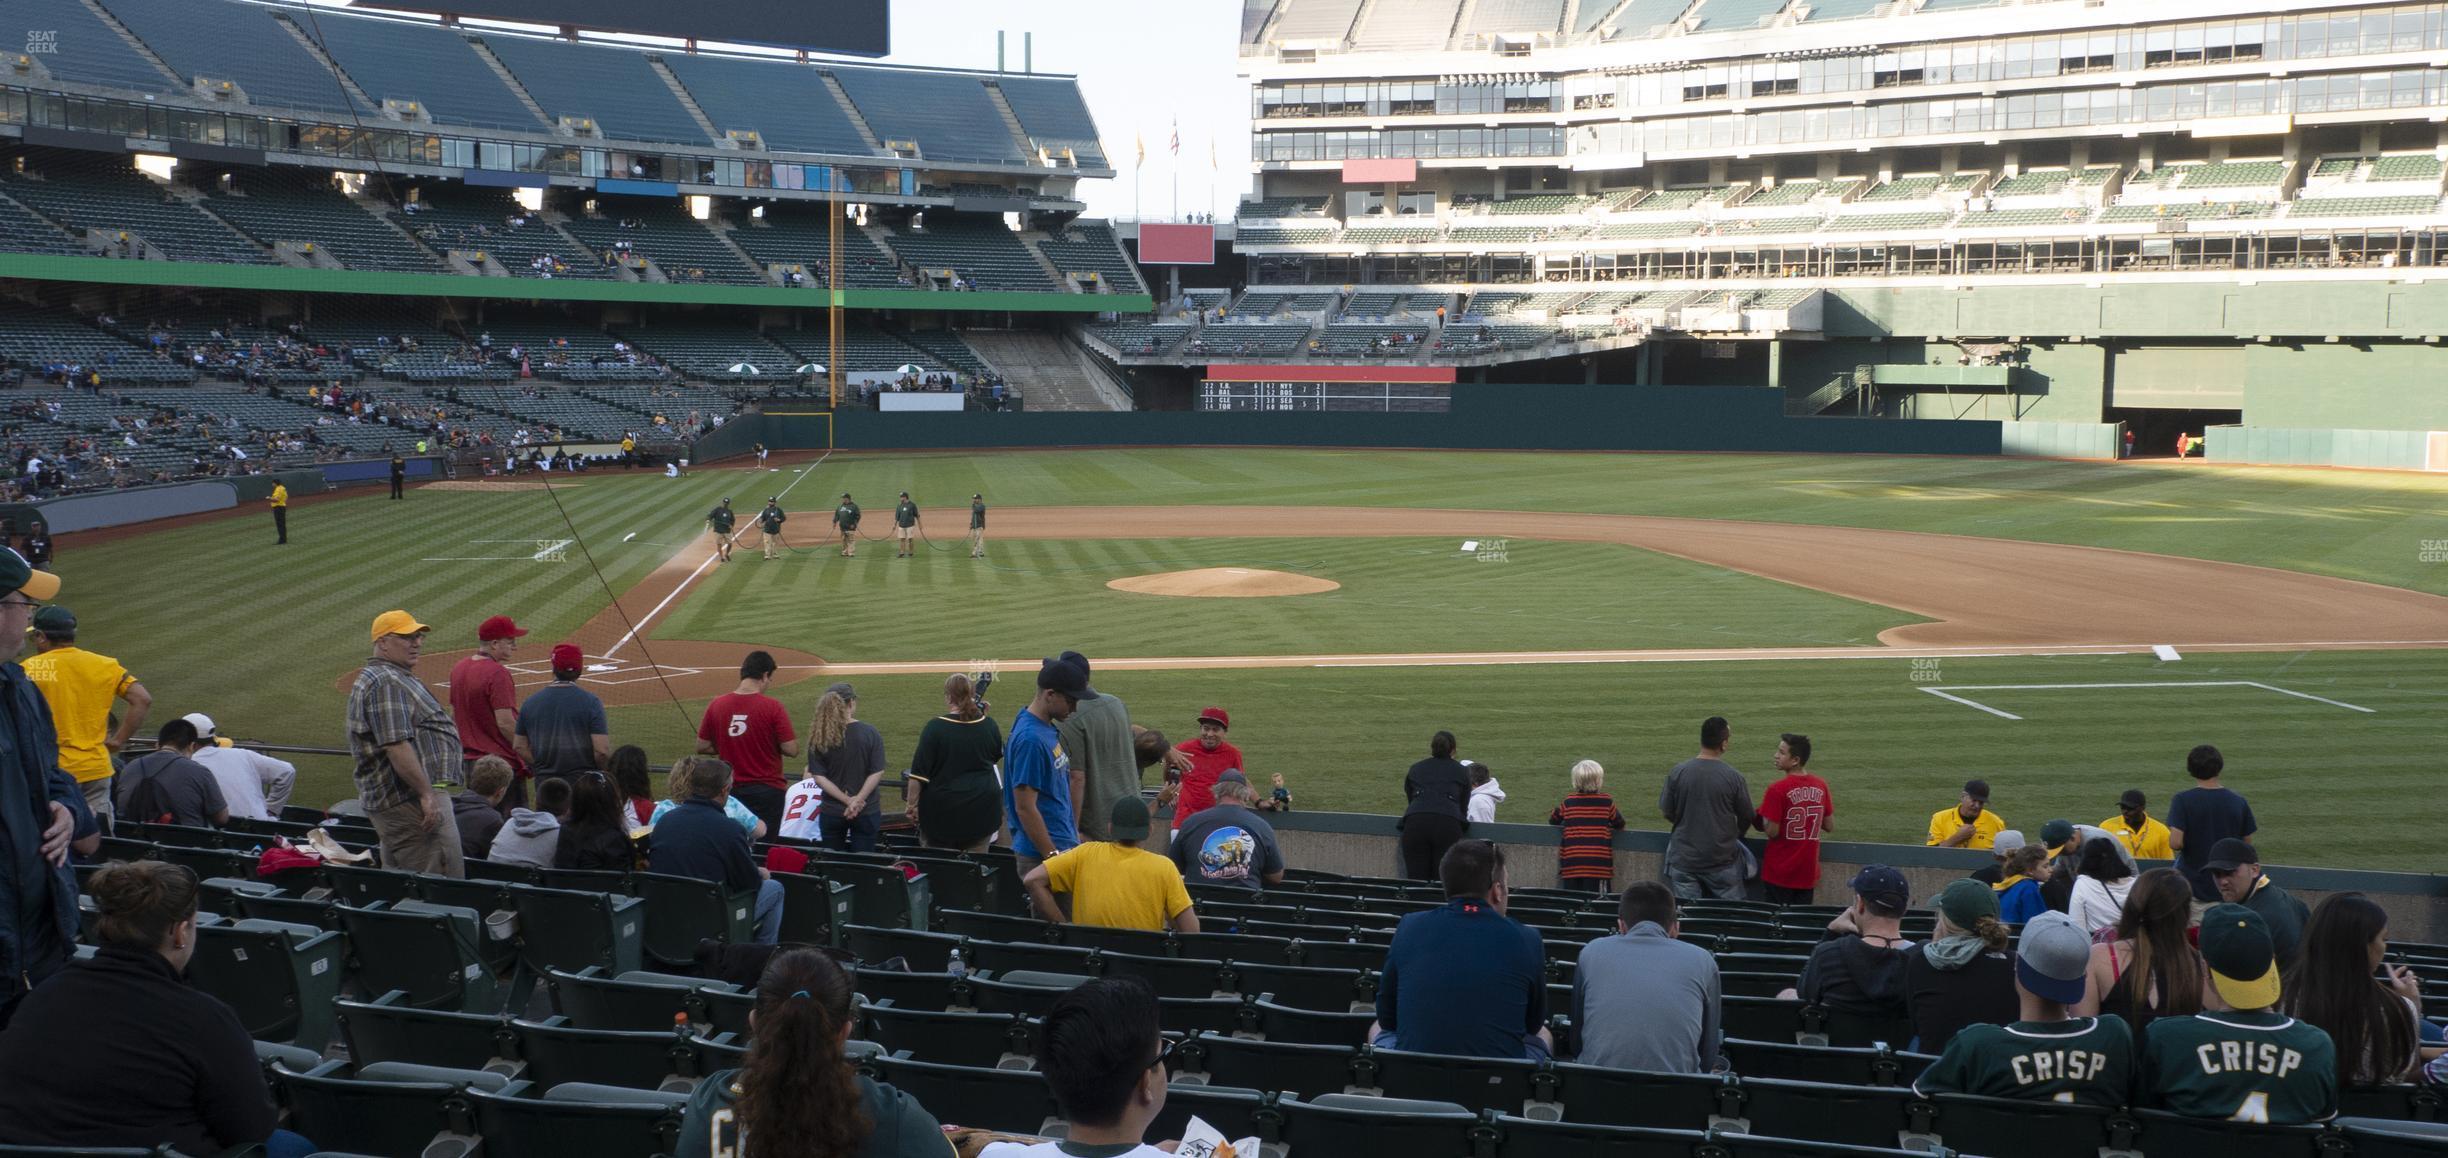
(1464, 979)
(698, 840)
(30, 782)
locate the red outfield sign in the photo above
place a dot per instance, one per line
(1380, 171)
(1176, 244)
(1227, 373)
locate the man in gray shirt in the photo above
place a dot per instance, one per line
(1643, 1000)
(1709, 805)
(1104, 767)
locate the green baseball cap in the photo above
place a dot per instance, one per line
(1130, 818)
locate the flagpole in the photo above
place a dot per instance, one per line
(1177, 169)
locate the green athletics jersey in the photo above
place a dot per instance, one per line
(770, 519)
(2245, 1067)
(846, 516)
(977, 516)
(720, 518)
(2085, 1060)
(906, 514)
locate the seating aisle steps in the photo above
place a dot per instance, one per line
(1046, 371)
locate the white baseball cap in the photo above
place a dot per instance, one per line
(203, 723)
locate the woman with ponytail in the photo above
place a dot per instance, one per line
(954, 772)
(2152, 969)
(796, 1095)
(1963, 976)
(118, 1050)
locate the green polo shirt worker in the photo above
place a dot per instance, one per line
(846, 520)
(769, 524)
(720, 521)
(905, 526)
(977, 526)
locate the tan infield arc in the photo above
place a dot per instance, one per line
(1225, 583)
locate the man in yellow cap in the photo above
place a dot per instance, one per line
(42, 810)
(403, 737)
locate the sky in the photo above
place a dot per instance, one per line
(1144, 67)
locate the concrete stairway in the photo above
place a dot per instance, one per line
(1047, 371)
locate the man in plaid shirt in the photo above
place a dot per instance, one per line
(401, 735)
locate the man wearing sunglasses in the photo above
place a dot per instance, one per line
(42, 810)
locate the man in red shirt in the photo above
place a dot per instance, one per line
(1794, 812)
(484, 704)
(752, 733)
(1200, 762)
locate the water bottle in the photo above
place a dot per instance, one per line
(680, 1026)
(954, 965)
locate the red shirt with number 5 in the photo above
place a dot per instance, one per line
(1793, 812)
(748, 732)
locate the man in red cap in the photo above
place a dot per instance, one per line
(1200, 762)
(484, 704)
(562, 730)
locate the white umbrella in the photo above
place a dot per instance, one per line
(742, 368)
(910, 368)
(811, 368)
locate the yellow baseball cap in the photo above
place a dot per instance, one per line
(397, 623)
(18, 575)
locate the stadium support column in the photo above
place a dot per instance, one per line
(1776, 363)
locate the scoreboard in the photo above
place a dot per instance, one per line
(1310, 389)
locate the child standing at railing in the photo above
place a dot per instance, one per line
(1586, 855)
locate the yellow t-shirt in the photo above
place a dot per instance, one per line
(80, 687)
(2150, 843)
(1118, 887)
(280, 495)
(1945, 821)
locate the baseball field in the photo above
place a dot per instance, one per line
(1923, 620)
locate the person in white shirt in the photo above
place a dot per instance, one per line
(254, 784)
(1485, 794)
(1105, 1056)
(803, 810)
(2102, 880)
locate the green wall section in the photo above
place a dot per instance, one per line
(2380, 387)
(2273, 308)
(1484, 417)
(2376, 449)
(109, 271)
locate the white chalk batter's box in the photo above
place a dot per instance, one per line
(610, 673)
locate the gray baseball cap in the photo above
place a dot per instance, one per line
(2008, 841)
(2053, 957)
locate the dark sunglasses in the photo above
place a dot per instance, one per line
(1164, 1054)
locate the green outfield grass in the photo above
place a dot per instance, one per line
(215, 618)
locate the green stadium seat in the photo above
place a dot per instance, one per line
(1013, 1100)
(280, 978)
(1852, 1029)
(2382, 1138)
(1860, 1066)
(1187, 1015)
(913, 990)
(1287, 1023)
(683, 911)
(1024, 992)
(1000, 957)
(1357, 1124)
(1852, 1115)
(1273, 1066)
(814, 910)
(382, 1108)
(1000, 927)
(727, 1009)
(591, 1000)
(1309, 987)
(1528, 1088)
(503, 874)
(885, 896)
(1143, 942)
(485, 899)
(2403, 1103)
(925, 952)
(1239, 947)
(2162, 1132)
(1515, 1137)
(1611, 1097)
(557, 1052)
(434, 954)
(1762, 1019)
(1338, 954)
(388, 1029)
(2013, 1128)
(953, 1038)
(569, 930)
(361, 886)
(515, 1122)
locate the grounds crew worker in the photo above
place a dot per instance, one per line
(280, 511)
(846, 517)
(905, 524)
(977, 526)
(769, 521)
(719, 520)
(399, 475)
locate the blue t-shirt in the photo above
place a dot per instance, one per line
(1034, 757)
(1464, 979)
(560, 722)
(2207, 816)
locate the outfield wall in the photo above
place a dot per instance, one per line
(1484, 417)
(2367, 449)
(1364, 844)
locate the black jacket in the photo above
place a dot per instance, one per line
(120, 1051)
(1438, 787)
(595, 847)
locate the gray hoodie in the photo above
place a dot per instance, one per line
(530, 837)
(1483, 801)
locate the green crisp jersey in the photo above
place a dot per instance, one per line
(846, 516)
(2247, 1067)
(2088, 1060)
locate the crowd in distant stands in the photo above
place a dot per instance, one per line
(2064, 972)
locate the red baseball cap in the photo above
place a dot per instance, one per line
(567, 657)
(1217, 714)
(499, 627)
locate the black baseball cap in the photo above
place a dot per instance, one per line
(2133, 798)
(1070, 679)
(1883, 885)
(1077, 658)
(2228, 853)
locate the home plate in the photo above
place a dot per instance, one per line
(603, 667)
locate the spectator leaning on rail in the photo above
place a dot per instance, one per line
(401, 736)
(165, 786)
(42, 808)
(79, 685)
(1465, 978)
(1643, 1000)
(255, 785)
(1709, 805)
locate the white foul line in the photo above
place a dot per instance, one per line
(709, 561)
(1944, 692)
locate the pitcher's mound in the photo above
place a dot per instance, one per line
(1225, 583)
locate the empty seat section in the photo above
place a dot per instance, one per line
(86, 191)
(684, 248)
(787, 105)
(401, 60)
(246, 44)
(615, 87)
(982, 250)
(451, 216)
(796, 236)
(89, 51)
(301, 205)
(1091, 247)
(1053, 114)
(948, 117)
